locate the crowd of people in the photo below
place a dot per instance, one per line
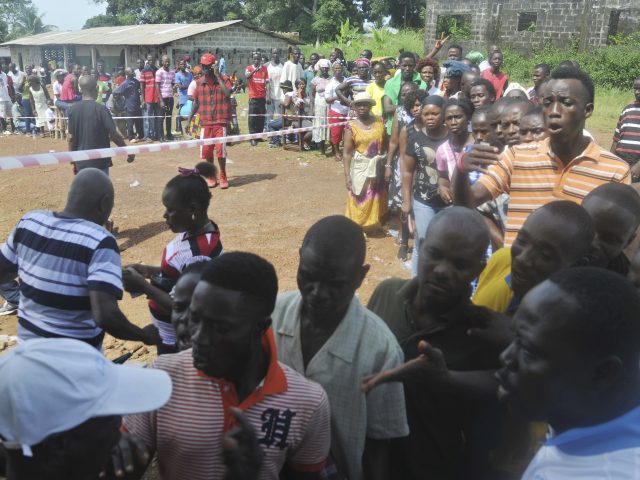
(513, 351)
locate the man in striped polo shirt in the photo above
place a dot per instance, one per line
(234, 363)
(626, 139)
(70, 270)
(566, 166)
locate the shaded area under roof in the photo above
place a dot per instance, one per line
(146, 34)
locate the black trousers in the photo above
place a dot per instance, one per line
(137, 122)
(257, 106)
(168, 110)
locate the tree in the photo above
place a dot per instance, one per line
(109, 21)
(308, 17)
(29, 22)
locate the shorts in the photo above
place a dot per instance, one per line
(336, 130)
(213, 131)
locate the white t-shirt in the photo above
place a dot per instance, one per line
(275, 72)
(609, 451)
(57, 89)
(330, 91)
(4, 88)
(191, 89)
(17, 80)
(292, 72)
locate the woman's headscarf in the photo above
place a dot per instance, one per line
(323, 63)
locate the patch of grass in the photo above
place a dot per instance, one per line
(609, 104)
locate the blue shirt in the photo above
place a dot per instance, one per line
(60, 260)
(182, 81)
(130, 90)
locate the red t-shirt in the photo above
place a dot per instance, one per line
(257, 83)
(498, 81)
(148, 81)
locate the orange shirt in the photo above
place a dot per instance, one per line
(533, 176)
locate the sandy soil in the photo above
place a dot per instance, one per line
(274, 198)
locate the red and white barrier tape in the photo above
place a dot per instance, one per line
(52, 158)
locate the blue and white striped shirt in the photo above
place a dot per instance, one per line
(59, 261)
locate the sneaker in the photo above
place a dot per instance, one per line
(8, 309)
(253, 143)
(7, 132)
(211, 182)
(224, 184)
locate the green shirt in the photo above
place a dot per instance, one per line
(392, 90)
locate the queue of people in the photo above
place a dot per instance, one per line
(512, 352)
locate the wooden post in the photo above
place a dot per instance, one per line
(93, 57)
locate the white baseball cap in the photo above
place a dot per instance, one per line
(53, 385)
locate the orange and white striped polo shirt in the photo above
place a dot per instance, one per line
(533, 176)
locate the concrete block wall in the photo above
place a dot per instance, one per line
(559, 22)
(236, 41)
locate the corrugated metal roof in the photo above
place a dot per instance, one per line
(149, 34)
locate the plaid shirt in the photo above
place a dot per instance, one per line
(214, 108)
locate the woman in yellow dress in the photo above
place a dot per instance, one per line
(365, 144)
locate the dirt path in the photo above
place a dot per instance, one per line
(274, 198)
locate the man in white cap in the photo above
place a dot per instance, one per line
(61, 403)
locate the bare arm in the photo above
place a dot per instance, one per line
(312, 99)
(341, 93)
(408, 171)
(393, 141)
(387, 106)
(110, 318)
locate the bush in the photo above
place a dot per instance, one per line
(611, 67)
(382, 42)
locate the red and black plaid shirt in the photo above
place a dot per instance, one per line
(214, 108)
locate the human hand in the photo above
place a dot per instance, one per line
(151, 335)
(216, 70)
(428, 365)
(241, 453)
(140, 268)
(479, 158)
(127, 454)
(445, 194)
(349, 183)
(441, 41)
(635, 172)
(388, 174)
(493, 327)
(132, 280)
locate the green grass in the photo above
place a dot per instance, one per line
(609, 104)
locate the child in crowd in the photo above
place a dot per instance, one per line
(186, 199)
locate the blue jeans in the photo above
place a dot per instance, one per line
(152, 114)
(273, 126)
(27, 112)
(422, 216)
(10, 291)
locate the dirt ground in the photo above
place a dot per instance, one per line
(275, 196)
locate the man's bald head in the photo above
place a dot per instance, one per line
(91, 196)
(88, 86)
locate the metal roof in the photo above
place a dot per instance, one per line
(146, 34)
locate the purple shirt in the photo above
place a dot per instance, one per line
(166, 79)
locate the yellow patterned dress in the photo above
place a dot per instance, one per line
(371, 204)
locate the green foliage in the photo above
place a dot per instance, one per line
(327, 21)
(382, 42)
(109, 21)
(612, 67)
(346, 34)
(20, 18)
(458, 27)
